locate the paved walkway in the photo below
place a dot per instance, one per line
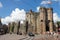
(11, 37)
(21, 37)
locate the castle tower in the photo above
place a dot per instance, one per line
(31, 21)
(42, 20)
(38, 28)
(50, 18)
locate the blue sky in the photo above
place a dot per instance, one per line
(7, 6)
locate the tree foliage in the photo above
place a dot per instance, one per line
(58, 22)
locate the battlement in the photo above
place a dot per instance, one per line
(42, 8)
(49, 8)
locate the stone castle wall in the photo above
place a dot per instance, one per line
(37, 22)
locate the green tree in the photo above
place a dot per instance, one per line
(58, 22)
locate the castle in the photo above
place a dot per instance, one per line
(36, 22)
(40, 22)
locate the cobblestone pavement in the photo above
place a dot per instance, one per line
(25, 37)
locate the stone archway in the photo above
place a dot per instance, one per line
(47, 28)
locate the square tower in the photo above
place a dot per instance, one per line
(50, 19)
(45, 20)
(42, 20)
(30, 18)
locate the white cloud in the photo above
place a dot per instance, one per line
(56, 17)
(1, 5)
(7, 20)
(46, 2)
(38, 8)
(16, 15)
